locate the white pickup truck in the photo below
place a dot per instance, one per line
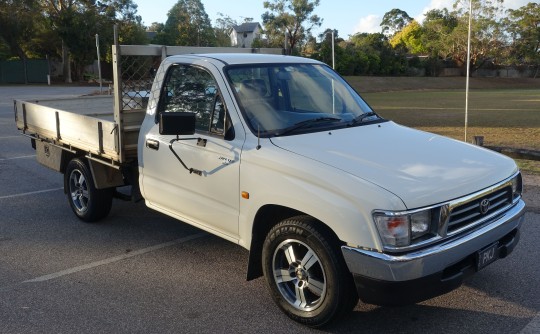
(281, 156)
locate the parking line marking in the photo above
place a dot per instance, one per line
(8, 137)
(21, 157)
(114, 259)
(31, 193)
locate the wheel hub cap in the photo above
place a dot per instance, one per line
(299, 275)
(78, 190)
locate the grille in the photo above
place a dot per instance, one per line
(471, 212)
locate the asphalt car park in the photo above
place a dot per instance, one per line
(140, 271)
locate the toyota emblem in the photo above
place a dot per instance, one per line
(484, 206)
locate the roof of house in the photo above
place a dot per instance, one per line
(247, 27)
(151, 35)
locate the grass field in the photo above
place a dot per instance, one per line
(504, 117)
(505, 111)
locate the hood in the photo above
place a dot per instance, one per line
(421, 168)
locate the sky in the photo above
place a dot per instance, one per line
(347, 16)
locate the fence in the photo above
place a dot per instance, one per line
(13, 71)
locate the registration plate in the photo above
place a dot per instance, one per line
(487, 256)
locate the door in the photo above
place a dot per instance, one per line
(195, 177)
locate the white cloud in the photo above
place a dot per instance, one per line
(515, 4)
(370, 24)
(435, 4)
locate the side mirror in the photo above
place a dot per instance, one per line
(177, 123)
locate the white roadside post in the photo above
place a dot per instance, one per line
(468, 71)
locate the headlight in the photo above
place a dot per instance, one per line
(517, 186)
(401, 229)
(420, 224)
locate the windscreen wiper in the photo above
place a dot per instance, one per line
(306, 123)
(363, 117)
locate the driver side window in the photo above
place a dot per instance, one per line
(191, 89)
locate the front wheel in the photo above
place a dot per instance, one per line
(87, 202)
(307, 275)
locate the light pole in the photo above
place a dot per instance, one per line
(333, 53)
(99, 65)
(468, 70)
(333, 50)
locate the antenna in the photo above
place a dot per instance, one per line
(258, 137)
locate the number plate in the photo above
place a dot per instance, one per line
(487, 255)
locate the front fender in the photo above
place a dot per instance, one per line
(343, 202)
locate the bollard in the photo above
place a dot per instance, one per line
(478, 140)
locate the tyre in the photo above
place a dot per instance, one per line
(306, 273)
(87, 202)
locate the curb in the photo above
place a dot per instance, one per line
(516, 153)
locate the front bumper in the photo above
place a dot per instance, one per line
(387, 279)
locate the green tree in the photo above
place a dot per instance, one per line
(61, 16)
(17, 21)
(123, 13)
(394, 20)
(258, 43)
(187, 24)
(324, 48)
(436, 28)
(4, 50)
(349, 61)
(410, 38)
(222, 29)
(487, 39)
(438, 25)
(523, 25)
(445, 33)
(291, 18)
(90, 18)
(377, 55)
(158, 29)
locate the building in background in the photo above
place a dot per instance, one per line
(242, 36)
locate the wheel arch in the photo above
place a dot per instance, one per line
(103, 176)
(89, 203)
(268, 216)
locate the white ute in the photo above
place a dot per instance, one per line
(281, 156)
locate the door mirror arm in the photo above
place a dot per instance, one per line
(180, 123)
(190, 170)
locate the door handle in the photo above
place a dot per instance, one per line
(152, 144)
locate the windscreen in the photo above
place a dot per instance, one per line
(282, 99)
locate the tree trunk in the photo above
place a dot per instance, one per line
(66, 63)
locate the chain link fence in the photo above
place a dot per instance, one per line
(137, 75)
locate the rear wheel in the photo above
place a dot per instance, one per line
(307, 275)
(87, 202)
